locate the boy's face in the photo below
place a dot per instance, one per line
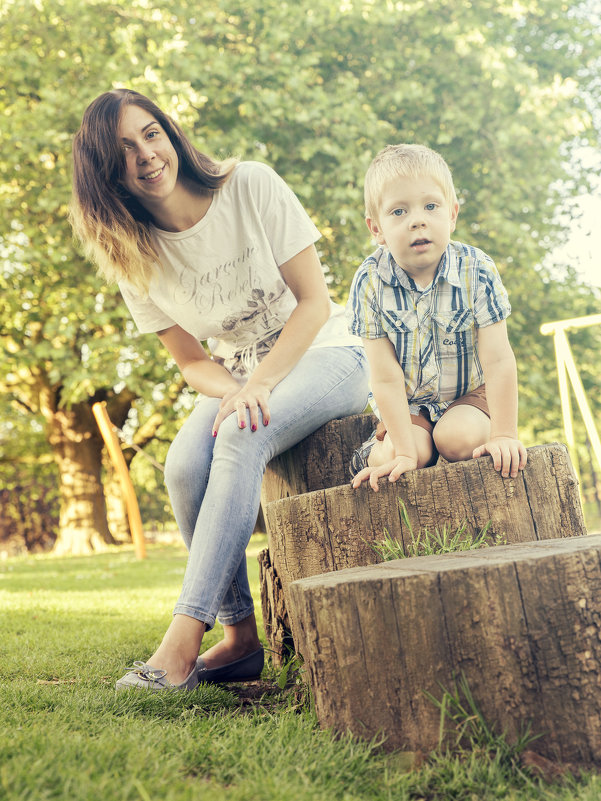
(415, 223)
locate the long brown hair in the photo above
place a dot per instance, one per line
(113, 227)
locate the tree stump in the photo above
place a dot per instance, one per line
(318, 461)
(521, 624)
(335, 528)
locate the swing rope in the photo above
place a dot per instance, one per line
(138, 449)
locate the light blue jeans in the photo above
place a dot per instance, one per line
(215, 483)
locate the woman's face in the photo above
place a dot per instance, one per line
(151, 163)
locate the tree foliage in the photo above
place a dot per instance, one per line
(314, 88)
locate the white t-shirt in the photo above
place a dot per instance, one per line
(220, 280)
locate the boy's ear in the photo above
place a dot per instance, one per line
(375, 230)
(454, 214)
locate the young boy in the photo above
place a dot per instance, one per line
(431, 313)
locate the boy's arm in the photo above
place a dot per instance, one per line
(500, 376)
(388, 388)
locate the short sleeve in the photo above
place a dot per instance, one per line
(287, 225)
(145, 313)
(492, 302)
(363, 314)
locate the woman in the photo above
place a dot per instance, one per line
(223, 253)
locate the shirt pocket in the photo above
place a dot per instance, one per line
(454, 332)
(399, 321)
(454, 321)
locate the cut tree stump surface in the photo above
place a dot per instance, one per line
(522, 623)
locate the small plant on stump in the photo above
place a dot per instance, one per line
(428, 543)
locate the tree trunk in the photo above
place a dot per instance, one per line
(336, 528)
(275, 616)
(520, 623)
(320, 460)
(77, 446)
(116, 507)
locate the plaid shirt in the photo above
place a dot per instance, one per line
(432, 330)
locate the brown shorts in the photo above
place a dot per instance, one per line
(477, 398)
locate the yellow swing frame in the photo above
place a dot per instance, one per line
(567, 371)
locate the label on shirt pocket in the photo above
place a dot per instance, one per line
(401, 321)
(452, 326)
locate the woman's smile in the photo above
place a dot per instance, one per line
(152, 176)
(151, 163)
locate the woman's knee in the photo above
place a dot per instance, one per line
(245, 449)
(176, 470)
(188, 459)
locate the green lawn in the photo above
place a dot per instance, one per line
(70, 626)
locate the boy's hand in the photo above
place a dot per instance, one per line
(508, 455)
(393, 469)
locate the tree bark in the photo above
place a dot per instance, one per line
(320, 460)
(77, 447)
(116, 507)
(520, 623)
(336, 528)
(275, 616)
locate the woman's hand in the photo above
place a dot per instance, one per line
(245, 403)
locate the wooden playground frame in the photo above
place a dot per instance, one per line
(567, 372)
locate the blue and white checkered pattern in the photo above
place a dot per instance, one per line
(433, 330)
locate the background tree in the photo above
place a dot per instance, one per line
(67, 340)
(314, 89)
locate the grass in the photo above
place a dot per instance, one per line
(68, 628)
(426, 543)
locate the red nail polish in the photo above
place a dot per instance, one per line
(214, 433)
(254, 427)
(243, 424)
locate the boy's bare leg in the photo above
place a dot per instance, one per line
(383, 451)
(459, 431)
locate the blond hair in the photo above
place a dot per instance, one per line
(407, 161)
(113, 227)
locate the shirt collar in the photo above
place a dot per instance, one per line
(390, 273)
(449, 266)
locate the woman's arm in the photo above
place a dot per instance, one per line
(201, 372)
(304, 276)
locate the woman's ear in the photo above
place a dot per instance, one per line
(375, 231)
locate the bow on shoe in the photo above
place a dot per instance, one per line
(147, 672)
